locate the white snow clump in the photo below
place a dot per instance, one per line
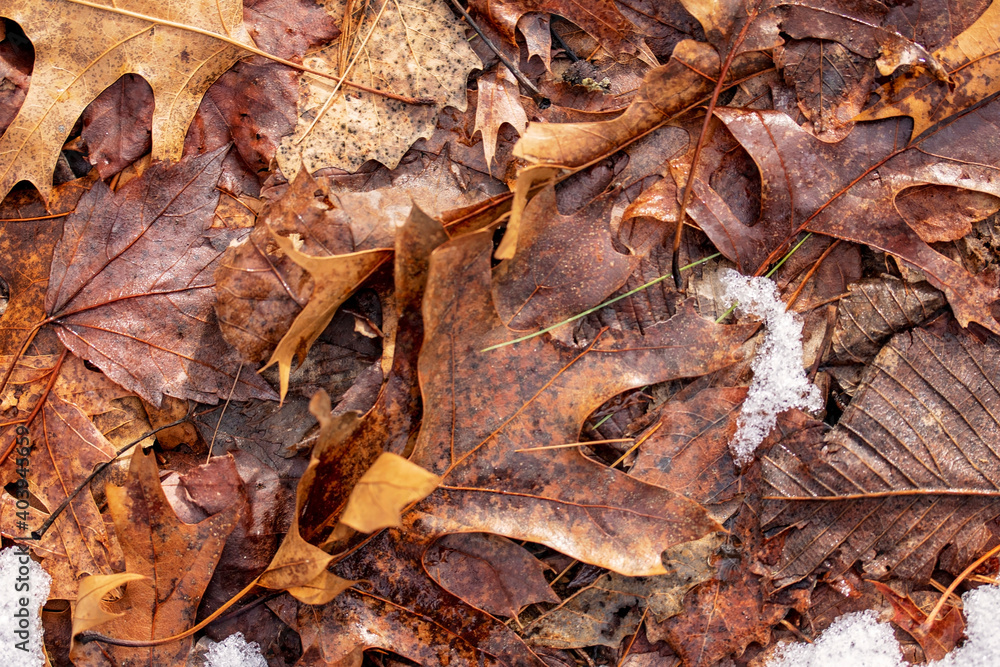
(779, 381)
(24, 588)
(859, 640)
(235, 651)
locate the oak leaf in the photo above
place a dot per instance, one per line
(391, 484)
(158, 547)
(499, 102)
(72, 65)
(849, 191)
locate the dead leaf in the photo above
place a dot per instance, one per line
(945, 633)
(499, 102)
(90, 611)
(72, 65)
(599, 18)
(417, 49)
(909, 470)
(970, 59)
(384, 490)
(126, 260)
(488, 572)
(164, 599)
(851, 194)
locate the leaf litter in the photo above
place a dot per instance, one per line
(495, 415)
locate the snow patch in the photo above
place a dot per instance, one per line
(24, 588)
(779, 381)
(235, 651)
(859, 640)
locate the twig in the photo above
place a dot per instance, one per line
(542, 101)
(926, 625)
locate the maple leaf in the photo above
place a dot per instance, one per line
(126, 260)
(73, 65)
(849, 191)
(416, 49)
(157, 547)
(909, 470)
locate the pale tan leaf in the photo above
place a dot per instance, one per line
(384, 490)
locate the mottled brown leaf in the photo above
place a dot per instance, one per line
(499, 102)
(489, 572)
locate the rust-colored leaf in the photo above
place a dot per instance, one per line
(946, 631)
(125, 261)
(910, 471)
(488, 572)
(850, 190)
(158, 547)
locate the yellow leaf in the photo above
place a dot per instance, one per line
(90, 611)
(384, 491)
(81, 48)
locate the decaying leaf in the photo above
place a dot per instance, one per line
(163, 598)
(489, 572)
(125, 260)
(75, 63)
(384, 490)
(416, 49)
(499, 102)
(90, 611)
(910, 471)
(944, 634)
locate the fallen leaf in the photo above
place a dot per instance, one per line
(909, 470)
(16, 60)
(72, 65)
(945, 633)
(851, 194)
(116, 125)
(488, 572)
(157, 546)
(564, 264)
(600, 18)
(391, 484)
(970, 59)
(499, 102)
(876, 309)
(90, 611)
(125, 260)
(417, 49)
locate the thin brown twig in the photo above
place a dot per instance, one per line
(929, 621)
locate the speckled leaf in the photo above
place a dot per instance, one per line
(417, 49)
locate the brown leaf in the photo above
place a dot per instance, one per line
(564, 264)
(666, 91)
(499, 102)
(159, 548)
(384, 490)
(90, 611)
(875, 310)
(934, 22)
(831, 83)
(600, 18)
(611, 608)
(851, 192)
(72, 65)
(66, 448)
(970, 60)
(127, 263)
(910, 470)
(946, 631)
(116, 125)
(488, 572)
(16, 60)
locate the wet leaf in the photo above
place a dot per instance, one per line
(127, 258)
(946, 631)
(909, 472)
(488, 572)
(157, 546)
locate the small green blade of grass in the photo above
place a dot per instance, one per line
(767, 275)
(599, 306)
